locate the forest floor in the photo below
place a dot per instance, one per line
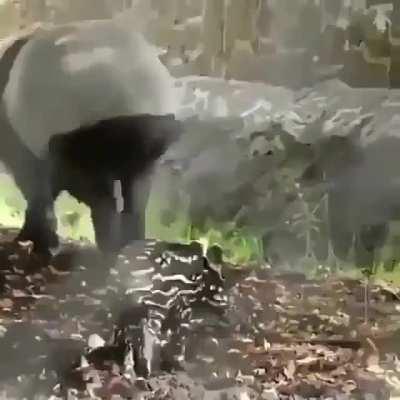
(283, 336)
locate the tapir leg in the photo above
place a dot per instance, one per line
(31, 176)
(40, 223)
(135, 194)
(115, 228)
(106, 220)
(106, 225)
(39, 226)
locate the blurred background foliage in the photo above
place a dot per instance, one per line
(215, 37)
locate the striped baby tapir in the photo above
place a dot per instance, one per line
(171, 291)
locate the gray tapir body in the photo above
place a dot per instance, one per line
(86, 160)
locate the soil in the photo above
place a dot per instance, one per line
(163, 323)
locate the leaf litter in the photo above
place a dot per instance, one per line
(167, 324)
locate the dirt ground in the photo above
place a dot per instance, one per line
(72, 328)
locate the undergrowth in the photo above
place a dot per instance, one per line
(240, 248)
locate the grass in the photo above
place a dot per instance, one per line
(75, 222)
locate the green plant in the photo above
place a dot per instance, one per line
(71, 220)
